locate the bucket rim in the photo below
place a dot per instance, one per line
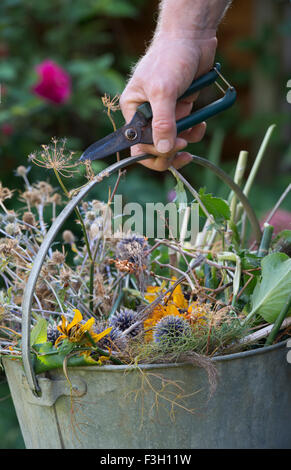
(228, 357)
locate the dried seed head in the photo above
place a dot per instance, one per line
(10, 217)
(12, 229)
(56, 199)
(28, 218)
(45, 188)
(5, 193)
(91, 216)
(33, 197)
(133, 249)
(7, 245)
(56, 157)
(58, 258)
(68, 237)
(22, 171)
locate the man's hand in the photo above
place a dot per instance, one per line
(183, 48)
(161, 76)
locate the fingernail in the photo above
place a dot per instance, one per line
(164, 146)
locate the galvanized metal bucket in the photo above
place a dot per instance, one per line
(112, 407)
(153, 406)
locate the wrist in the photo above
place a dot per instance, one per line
(191, 19)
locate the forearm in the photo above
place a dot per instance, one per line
(193, 19)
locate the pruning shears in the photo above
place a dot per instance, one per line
(139, 129)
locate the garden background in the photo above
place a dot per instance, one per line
(96, 42)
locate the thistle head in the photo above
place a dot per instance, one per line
(53, 333)
(124, 319)
(114, 340)
(170, 329)
(133, 248)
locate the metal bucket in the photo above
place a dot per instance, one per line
(112, 407)
(156, 406)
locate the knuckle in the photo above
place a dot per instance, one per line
(163, 124)
(123, 100)
(163, 89)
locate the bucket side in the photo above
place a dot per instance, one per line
(38, 424)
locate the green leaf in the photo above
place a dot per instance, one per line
(38, 333)
(48, 357)
(271, 293)
(216, 206)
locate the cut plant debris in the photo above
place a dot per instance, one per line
(127, 299)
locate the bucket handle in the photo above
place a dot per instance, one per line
(60, 220)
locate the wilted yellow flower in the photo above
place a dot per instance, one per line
(198, 314)
(175, 304)
(75, 330)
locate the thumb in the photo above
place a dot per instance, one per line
(164, 124)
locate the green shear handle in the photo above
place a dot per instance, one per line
(207, 111)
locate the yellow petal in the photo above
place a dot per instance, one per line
(97, 336)
(62, 328)
(87, 326)
(77, 318)
(59, 339)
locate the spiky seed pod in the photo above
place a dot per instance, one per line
(133, 249)
(10, 217)
(91, 216)
(28, 218)
(170, 329)
(124, 319)
(12, 229)
(114, 340)
(58, 258)
(53, 333)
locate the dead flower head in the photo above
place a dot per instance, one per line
(5, 193)
(55, 157)
(7, 245)
(75, 330)
(111, 104)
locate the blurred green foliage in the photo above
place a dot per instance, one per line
(78, 35)
(10, 434)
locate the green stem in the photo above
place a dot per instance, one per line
(266, 240)
(101, 352)
(77, 213)
(256, 166)
(91, 286)
(279, 320)
(258, 159)
(239, 173)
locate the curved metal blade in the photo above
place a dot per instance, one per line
(117, 141)
(110, 144)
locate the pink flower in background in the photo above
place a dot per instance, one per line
(7, 129)
(281, 220)
(54, 82)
